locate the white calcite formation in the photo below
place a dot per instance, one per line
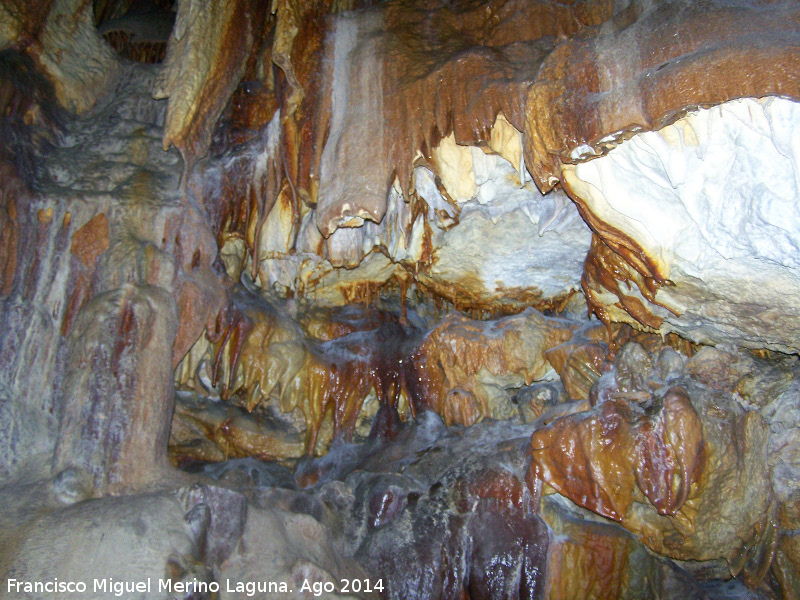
(509, 237)
(481, 236)
(712, 200)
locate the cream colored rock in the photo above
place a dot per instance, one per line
(712, 200)
(470, 231)
(353, 185)
(293, 549)
(454, 165)
(508, 239)
(206, 58)
(76, 61)
(110, 540)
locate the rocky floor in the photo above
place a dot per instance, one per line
(665, 476)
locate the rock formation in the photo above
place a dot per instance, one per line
(399, 299)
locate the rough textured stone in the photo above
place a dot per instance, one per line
(379, 156)
(718, 223)
(328, 365)
(206, 58)
(645, 66)
(612, 562)
(61, 40)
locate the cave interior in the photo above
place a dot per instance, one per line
(411, 299)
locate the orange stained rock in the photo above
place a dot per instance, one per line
(210, 432)
(254, 350)
(460, 407)
(87, 244)
(641, 70)
(206, 58)
(241, 199)
(91, 240)
(668, 453)
(329, 324)
(298, 49)
(468, 294)
(589, 562)
(343, 371)
(579, 363)
(11, 192)
(597, 458)
(786, 567)
(605, 269)
(328, 370)
(25, 19)
(455, 352)
(45, 215)
(586, 457)
(652, 342)
(340, 388)
(419, 73)
(649, 63)
(60, 38)
(462, 64)
(252, 106)
(259, 353)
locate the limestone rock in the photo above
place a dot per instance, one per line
(344, 279)
(131, 333)
(612, 562)
(683, 468)
(507, 236)
(461, 368)
(647, 65)
(477, 359)
(206, 57)
(61, 39)
(114, 540)
(659, 452)
(717, 222)
(216, 431)
(288, 548)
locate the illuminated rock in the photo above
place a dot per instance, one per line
(720, 226)
(482, 358)
(610, 561)
(345, 277)
(625, 80)
(683, 468)
(463, 252)
(206, 57)
(462, 368)
(507, 236)
(645, 67)
(710, 200)
(605, 453)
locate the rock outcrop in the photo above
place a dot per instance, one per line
(400, 300)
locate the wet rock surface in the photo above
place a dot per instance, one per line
(439, 510)
(336, 344)
(688, 485)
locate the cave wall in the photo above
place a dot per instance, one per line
(358, 242)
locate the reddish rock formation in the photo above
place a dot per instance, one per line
(325, 161)
(649, 63)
